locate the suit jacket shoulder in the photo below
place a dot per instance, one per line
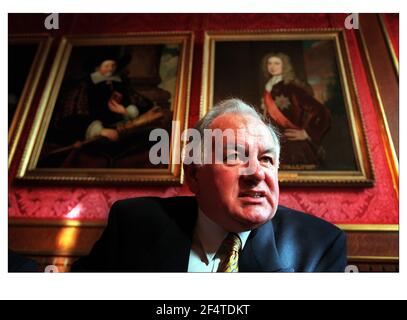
(316, 245)
(143, 234)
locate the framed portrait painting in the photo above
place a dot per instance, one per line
(104, 96)
(302, 82)
(27, 54)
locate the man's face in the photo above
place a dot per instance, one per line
(235, 200)
(275, 66)
(107, 67)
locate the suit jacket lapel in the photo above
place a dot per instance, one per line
(260, 252)
(173, 247)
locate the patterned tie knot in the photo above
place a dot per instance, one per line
(229, 253)
(232, 243)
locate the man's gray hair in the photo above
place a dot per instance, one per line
(236, 106)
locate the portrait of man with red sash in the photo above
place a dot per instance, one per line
(303, 121)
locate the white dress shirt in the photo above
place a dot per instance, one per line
(274, 80)
(208, 237)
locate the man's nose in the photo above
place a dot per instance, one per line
(253, 171)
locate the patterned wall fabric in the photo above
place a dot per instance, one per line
(338, 205)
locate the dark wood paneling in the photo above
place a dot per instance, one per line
(368, 243)
(376, 266)
(61, 245)
(53, 240)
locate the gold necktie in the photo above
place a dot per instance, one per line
(229, 253)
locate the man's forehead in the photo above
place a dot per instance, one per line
(246, 125)
(108, 61)
(246, 129)
(248, 143)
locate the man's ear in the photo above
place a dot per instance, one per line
(190, 174)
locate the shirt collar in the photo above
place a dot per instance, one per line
(97, 77)
(274, 80)
(212, 235)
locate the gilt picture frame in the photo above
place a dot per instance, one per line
(311, 100)
(93, 123)
(27, 58)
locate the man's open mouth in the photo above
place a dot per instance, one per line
(252, 194)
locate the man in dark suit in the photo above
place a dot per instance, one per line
(233, 223)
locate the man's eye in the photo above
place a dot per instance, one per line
(268, 160)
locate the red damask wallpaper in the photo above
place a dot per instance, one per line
(377, 205)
